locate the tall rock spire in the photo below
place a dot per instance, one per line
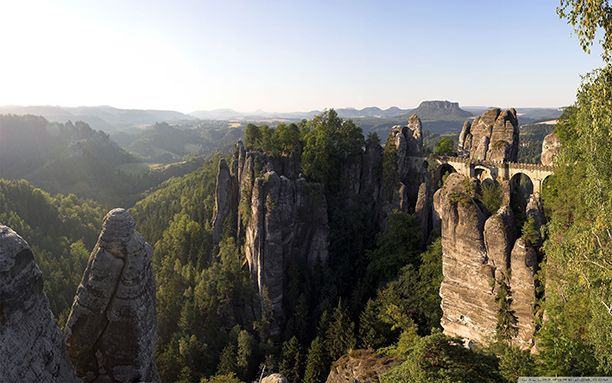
(111, 331)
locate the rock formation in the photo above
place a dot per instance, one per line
(524, 263)
(274, 378)
(278, 215)
(493, 136)
(467, 290)
(479, 255)
(111, 330)
(360, 366)
(226, 202)
(550, 149)
(288, 221)
(405, 143)
(31, 344)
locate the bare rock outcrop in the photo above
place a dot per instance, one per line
(550, 149)
(480, 255)
(226, 202)
(288, 221)
(31, 344)
(274, 378)
(360, 366)
(499, 238)
(492, 136)
(111, 331)
(523, 289)
(467, 290)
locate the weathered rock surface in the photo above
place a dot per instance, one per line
(499, 238)
(550, 149)
(31, 344)
(360, 366)
(523, 290)
(226, 202)
(480, 254)
(111, 331)
(492, 136)
(288, 221)
(467, 290)
(274, 378)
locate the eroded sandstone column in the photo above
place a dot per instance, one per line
(31, 344)
(111, 331)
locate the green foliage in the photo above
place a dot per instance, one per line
(329, 143)
(530, 232)
(290, 365)
(577, 333)
(514, 363)
(227, 378)
(507, 322)
(192, 195)
(437, 358)
(587, 18)
(491, 196)
(373, 333)
(60, 229)
(340, 335)
(413, 297)
(390, 168)
(398, 245)
(445, 146)
(317, 363)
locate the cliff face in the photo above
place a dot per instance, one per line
(111, 330)
(492, 136)
(411, 194)
(279, 215)
(481, 255)
(31, 344)
(550, 149)
(288, 220)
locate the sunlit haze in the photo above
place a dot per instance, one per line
(287, 55)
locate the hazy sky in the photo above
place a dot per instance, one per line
(287, 55)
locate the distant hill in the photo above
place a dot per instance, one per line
(74, 158)
(105, 118)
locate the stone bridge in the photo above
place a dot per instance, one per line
(483, 170)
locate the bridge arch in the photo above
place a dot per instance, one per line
(443, 171)
(521, 188)
(485, 174)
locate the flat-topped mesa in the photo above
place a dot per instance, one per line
(31, 344)
(492, 136)
(111, 330)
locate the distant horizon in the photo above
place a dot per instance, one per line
(196, 55)
(261, 110)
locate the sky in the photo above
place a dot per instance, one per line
(287, 55)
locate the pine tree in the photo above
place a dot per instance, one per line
(244, 353)
(291, 361)
(340, 334)
(370, 327)
(227, 361)
(316, 363)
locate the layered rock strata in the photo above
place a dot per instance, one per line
(362, 366)
(31, 344)
(111, 330)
